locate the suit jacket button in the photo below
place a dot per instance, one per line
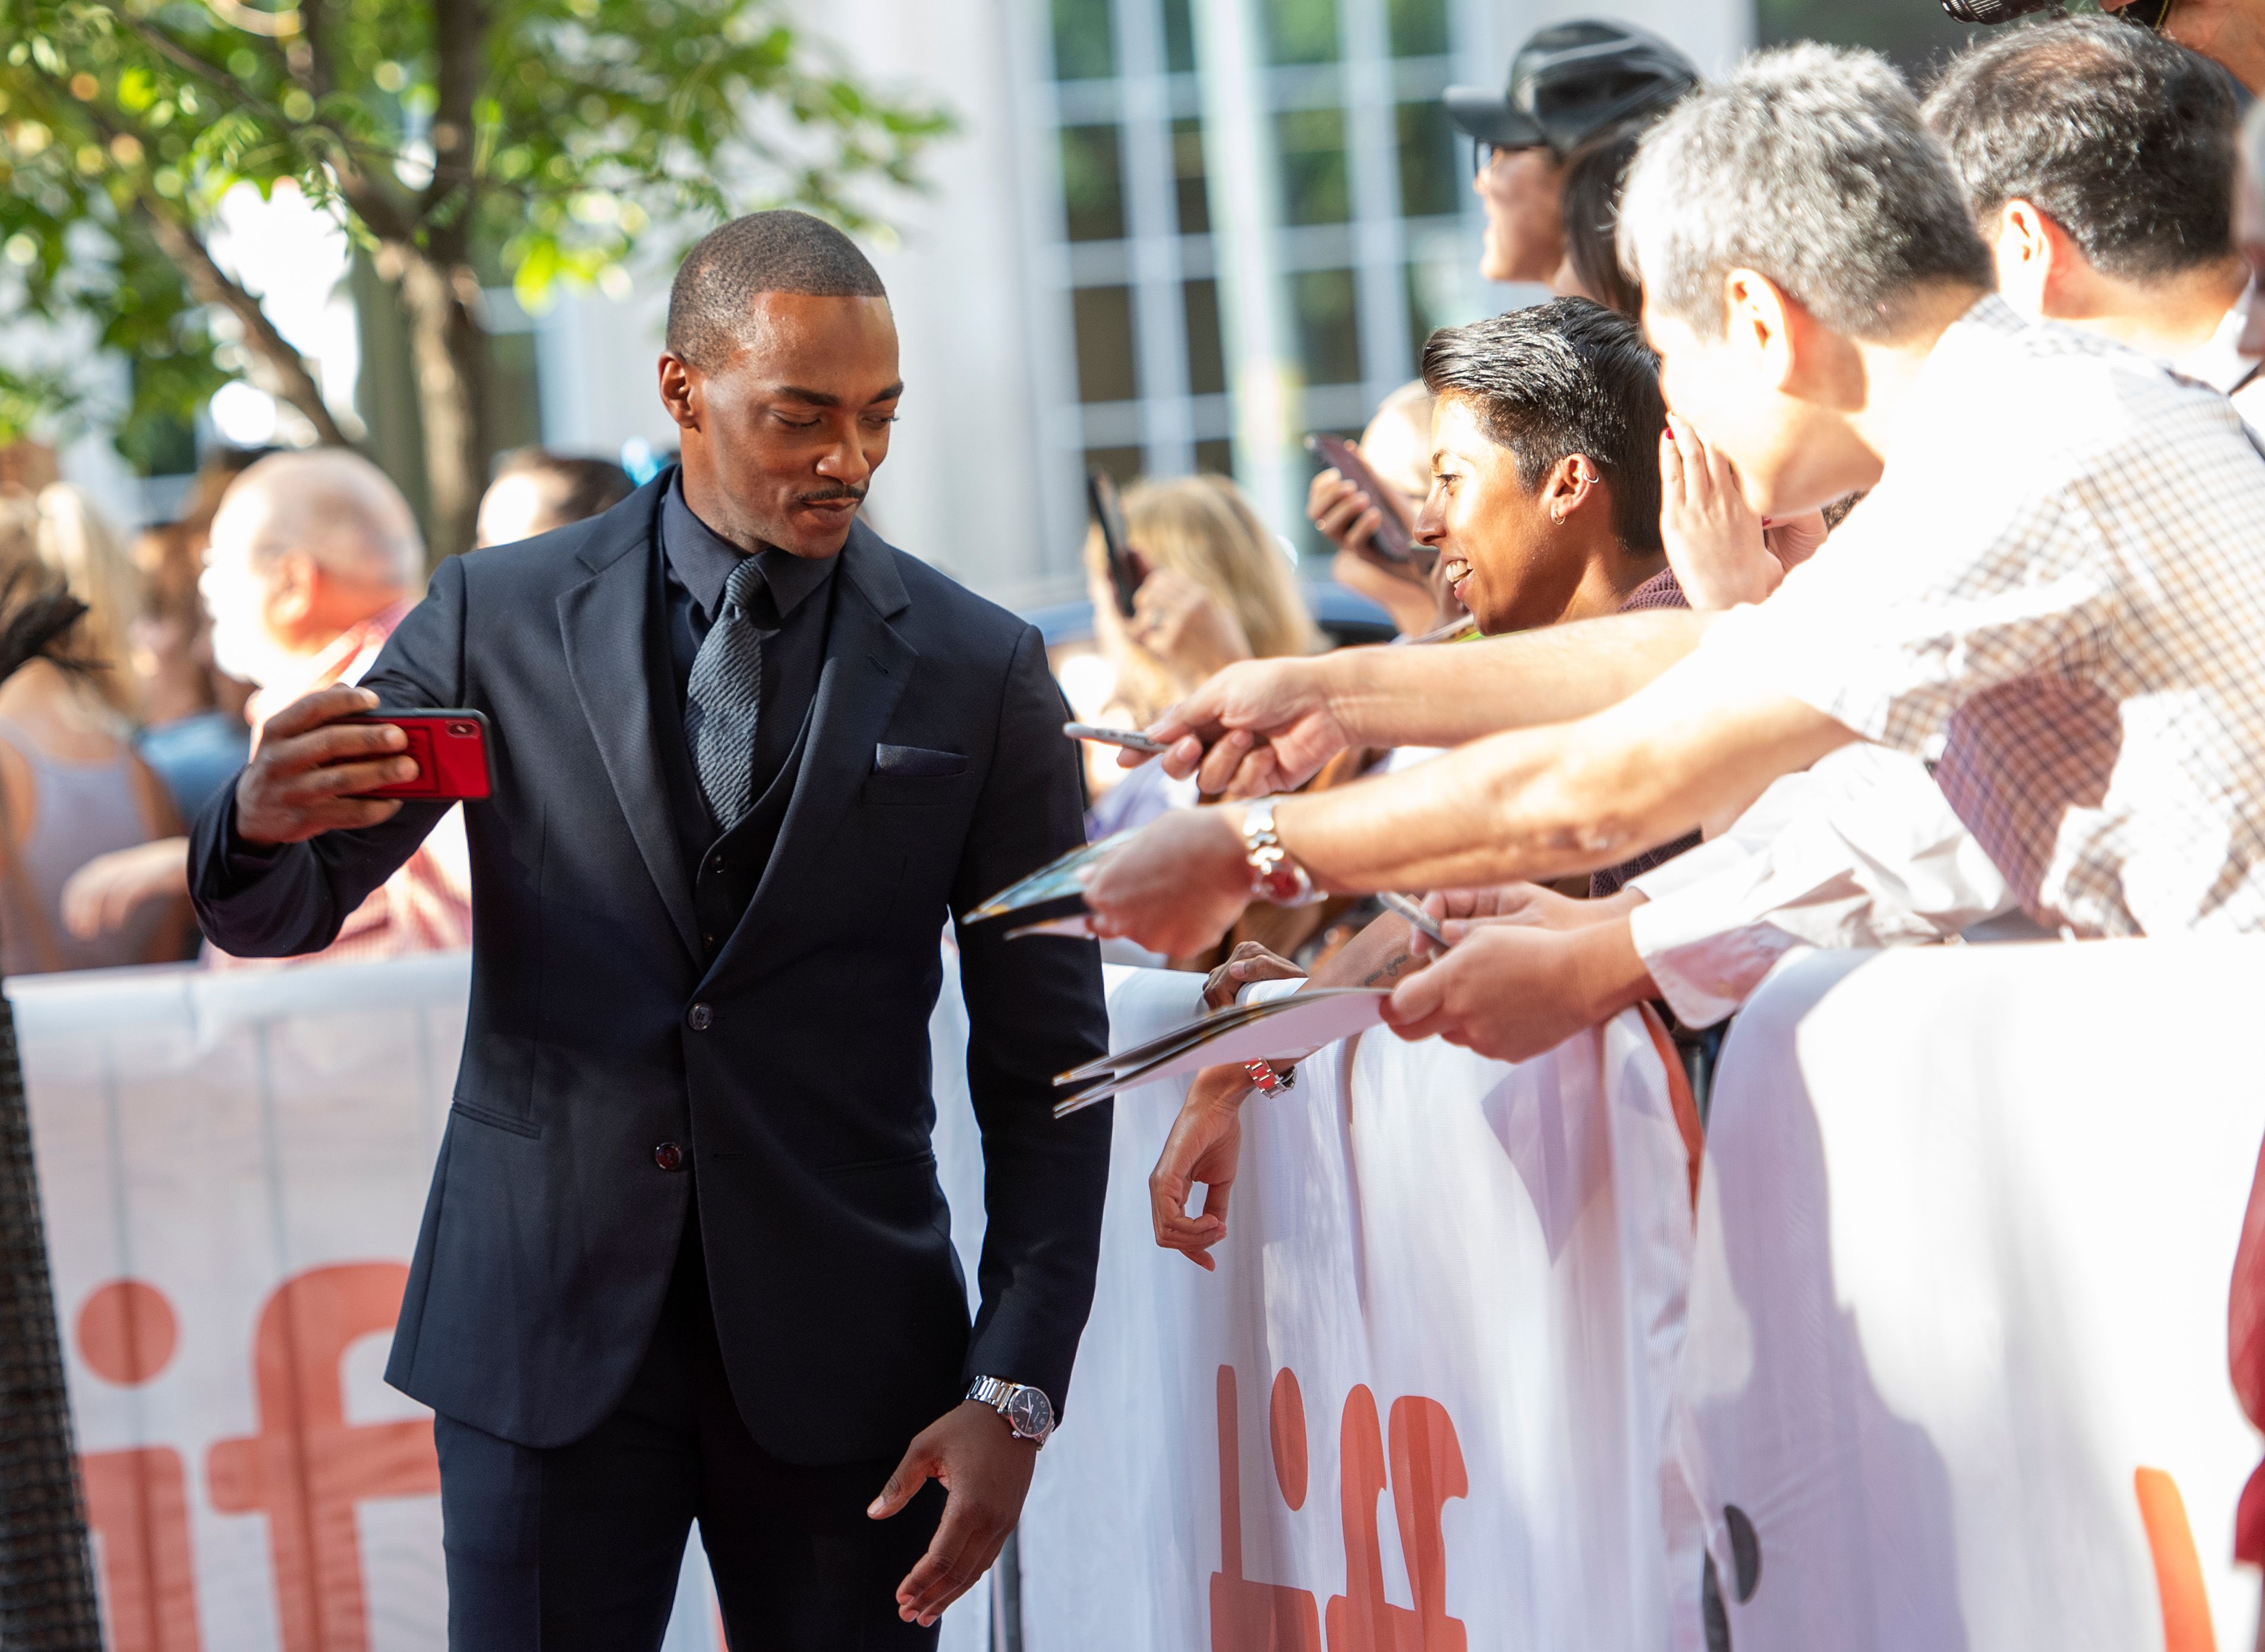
(701, 1018)
(668, 1156)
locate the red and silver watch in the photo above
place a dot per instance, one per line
(1275, 874)
(1268, 1080)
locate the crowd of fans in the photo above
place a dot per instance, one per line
(1926, 432)
(285, 572)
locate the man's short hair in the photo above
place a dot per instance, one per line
(572, 488)
(2122, 138)
(332, 504)
(1810, 164)
(782, 251)
(1565, 377)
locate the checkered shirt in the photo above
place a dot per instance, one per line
(2058, 582)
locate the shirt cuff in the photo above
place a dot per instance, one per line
(239, 855)
(1704, 967)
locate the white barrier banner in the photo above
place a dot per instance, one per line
(1956, 1374)
(233, 1168)
(1423, 1403)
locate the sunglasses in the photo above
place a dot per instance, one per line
(1483, 153)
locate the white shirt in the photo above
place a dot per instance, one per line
(1861, 850)
(2063, 568)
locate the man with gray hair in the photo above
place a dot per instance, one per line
(314, 558)
(2057, 551)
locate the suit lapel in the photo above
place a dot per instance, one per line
(867, 666)
(607, 623)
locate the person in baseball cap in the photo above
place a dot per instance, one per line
(1569, 83)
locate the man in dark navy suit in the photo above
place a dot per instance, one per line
(686, 1257)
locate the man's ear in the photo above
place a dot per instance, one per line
(683, 391)
(2037, 260)
(1760, 326)
(293, 586)
(1573, 482)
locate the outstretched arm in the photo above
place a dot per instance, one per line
(1534, 804)
(1268, 725)
(278, 861)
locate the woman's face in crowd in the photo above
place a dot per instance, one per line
(1523, 191)
(1509, 564)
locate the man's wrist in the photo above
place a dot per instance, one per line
(1612, 973)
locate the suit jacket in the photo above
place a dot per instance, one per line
(790, 1064)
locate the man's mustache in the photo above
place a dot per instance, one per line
(829, 496)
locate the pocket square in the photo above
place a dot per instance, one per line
(916, 761)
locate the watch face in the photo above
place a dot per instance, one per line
(1031, 1412)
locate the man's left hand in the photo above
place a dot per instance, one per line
(1511, 990)
(986, 1472)
(1176, 885)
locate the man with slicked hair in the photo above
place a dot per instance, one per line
(685, 1258)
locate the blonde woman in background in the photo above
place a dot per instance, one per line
(71, 786)
(1219, 589)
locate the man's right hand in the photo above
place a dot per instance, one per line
(1257, 728)
(311, 764)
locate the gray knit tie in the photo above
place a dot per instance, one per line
(725, 697)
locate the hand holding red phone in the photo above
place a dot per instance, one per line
(315, 758)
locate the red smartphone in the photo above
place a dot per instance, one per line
(1390, 540)
(451, 749)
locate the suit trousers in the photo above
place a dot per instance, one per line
(577, 1548)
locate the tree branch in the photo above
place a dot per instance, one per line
(212, 285)
(458, 28)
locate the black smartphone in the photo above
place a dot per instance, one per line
(1125, 568)
(1390, 542)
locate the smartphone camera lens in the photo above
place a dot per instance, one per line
(464, 728)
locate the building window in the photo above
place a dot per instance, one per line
(1328, 326)
(1371, 255)
(1085, 48)
(1300, 31)
(1093, 184)
(1106, 372)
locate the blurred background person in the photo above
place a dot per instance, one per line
(1219, 588)
(536, 490)
(314, 558)
(71, 786)
(193, 728)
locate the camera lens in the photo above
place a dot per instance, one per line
(462, 728)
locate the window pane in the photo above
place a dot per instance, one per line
(1206, 358)
(1215, 458)
(1302, 31)
(1189, 177)
(1329, 332)
(1433, 303)
(1093, 184)
(1104, 344)
(1430, 178)
(1179, 38)
(1314, 185)
(1419, 27)
(1084, 48)
(1121, 465)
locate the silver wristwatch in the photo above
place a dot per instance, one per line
(1027, 1409)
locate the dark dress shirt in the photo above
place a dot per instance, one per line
(1663, 590)
(793, 615)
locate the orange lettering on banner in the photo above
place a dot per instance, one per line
(1427, 1469)
(137, 1503)
(2177, 1567)
(307, 1468)
(1247, 1616)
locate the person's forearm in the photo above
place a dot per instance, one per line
(1379, 955)
(1449, 694)
(1525, 804)
(1546, 803)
